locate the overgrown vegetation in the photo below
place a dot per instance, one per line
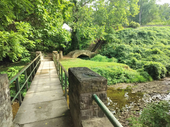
(12, 69)
(11, 72)
(143, 49)
(113, 72)
(32, 25)
(156, 114)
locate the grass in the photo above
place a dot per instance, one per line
(113, 72)
(68, 63)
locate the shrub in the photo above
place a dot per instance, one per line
(134, 24)
(168, 69)
(101, 58)
(155, 70)
(156, 115)
(25, 60)
(145, 74)
(119, 75)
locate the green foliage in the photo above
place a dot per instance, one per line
(101, 58)
(133, 122)
(145, 74)
(148, 12)
(156, 114)
(113, 72)
(155, 69)
(134, 24)
(32, 25)
(11, 46)
(119, 75)
(11, 72)
(92, 20)
(139, 47)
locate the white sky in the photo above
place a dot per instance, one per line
(163, 1)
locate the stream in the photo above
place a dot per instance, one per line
(125, 100)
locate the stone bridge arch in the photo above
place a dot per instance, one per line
(77, 53)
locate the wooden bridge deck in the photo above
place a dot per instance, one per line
(44, 104)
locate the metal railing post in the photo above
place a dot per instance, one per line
(26, 79)
(61, 77)
(33, 65)
(30, 73)
(59, 71)
(17, 86)
(66, 86)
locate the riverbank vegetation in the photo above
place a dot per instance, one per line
(113, 72)
(142, 49)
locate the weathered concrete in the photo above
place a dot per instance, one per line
(83, 83)
(5, 102)
(61, 54)
(44, 104)
(77, 53)
(97, 122)
(57, 57)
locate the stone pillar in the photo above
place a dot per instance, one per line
(56, 55)
(82, 84)
(6, 115)
(39, 52)
(61, 54)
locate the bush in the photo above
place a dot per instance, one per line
(119, 75)
(134, 24)
(101, 58)
(155, 70)
(11, 72)
(168, 69)
(139, 47)
(156, 115)
(145, 74)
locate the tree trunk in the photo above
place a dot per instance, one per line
(140, 15)
(74, 42)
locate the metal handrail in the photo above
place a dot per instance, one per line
(106, 111)
(32, 70)
(60, 70)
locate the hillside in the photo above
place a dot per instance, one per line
(146, 49)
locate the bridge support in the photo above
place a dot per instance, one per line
(5, 102)
(39, 52)
(83, 83)
(57, 55)
(61, 54)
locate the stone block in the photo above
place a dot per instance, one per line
(5, 102)
(39, 52)
(61, 54)
(56, 55)
(83, 83)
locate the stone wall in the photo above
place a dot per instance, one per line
(5, 102)
(82, 84)
(77, 53)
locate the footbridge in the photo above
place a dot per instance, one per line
(47, 104)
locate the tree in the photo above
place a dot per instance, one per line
(92, 20)
(32, 25)
(164, 11)
(149, 11)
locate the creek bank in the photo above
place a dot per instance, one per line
(125, 100)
